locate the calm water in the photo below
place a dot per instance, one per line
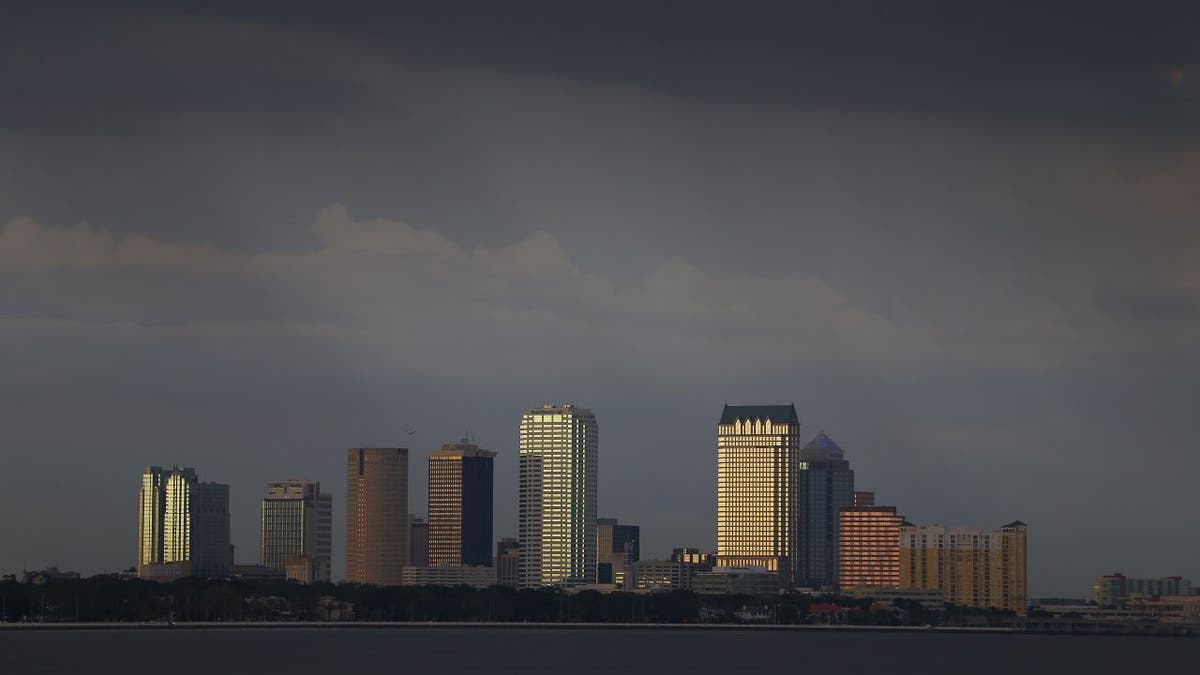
(579, 652)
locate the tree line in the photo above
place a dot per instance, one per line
(112, 598)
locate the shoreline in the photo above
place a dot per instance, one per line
(481, 625)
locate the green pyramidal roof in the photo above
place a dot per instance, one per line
(778, 414)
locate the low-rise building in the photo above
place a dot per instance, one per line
(932, 598)
(259, 573)
(661, 575)
(1114, 590)
(475, 576)
(737, 580)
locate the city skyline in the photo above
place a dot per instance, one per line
(819, 449)
(241, 236)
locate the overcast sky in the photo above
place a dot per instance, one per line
(966, 245)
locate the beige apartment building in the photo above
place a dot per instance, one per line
(377, 528)
(971, 567)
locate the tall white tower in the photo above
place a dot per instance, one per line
(558, 507)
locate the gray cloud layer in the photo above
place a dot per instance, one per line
(978, 274)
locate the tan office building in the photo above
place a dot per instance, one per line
(758, 460)
(971, 567)
(296, 530)
(868, 545)
(377, 528)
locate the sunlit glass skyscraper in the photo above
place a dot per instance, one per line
(183, 522)
(557, 510)
(758, 460)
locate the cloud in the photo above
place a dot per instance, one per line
(402, 291)
(383, 293)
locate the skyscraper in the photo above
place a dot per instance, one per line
(868, 544)
(970, 567)
(377, 528)
(183, 521)
(826, 485)
(460, 505)
(557, 509)
(758, 462)
(617, 547)
(296, 529)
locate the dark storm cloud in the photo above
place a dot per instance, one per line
(1089, 63)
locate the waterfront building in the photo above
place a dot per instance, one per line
(460, 505)
(508, 562)
(182, 524)
(377, 528)
(1113, 590)
(826, 485)
(558, 501)
(758, 463)
(737, 581)
(971, 567)
(868, 544)
(617, 547)
(296, 530)
(475, 576)
(931, 598)
(418, 542)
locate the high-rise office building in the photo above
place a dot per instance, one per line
(460, 505)
(971, 567)
(508, 562)
(617, 547)
(758, 463)
(826, 485)
(377, 528)
(296, 530)
(183, 522)
(868, 544)
(557, 508)
(418, 542)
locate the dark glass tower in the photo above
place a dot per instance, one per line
(460, 505)
(826, 485)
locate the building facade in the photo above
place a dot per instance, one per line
(758, 463)
(418, 542)
(826, 485)
(508, 562)
(558, 501)
(1114, 590)
(475, 576)
(660, 575)
(617, 547)
(737, 581)
(971, 567)
(183, 523)
(868, 545)
(377, 529)
(296, 530)
(703, 561)
(460, 505)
